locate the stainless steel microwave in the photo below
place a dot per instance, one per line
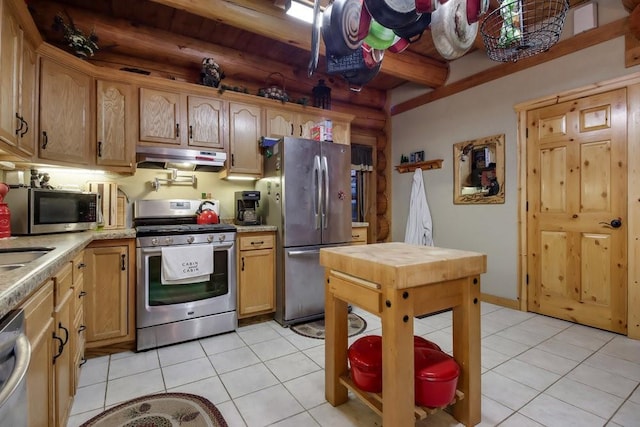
(41, 211)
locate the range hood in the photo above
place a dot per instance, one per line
(180, 159)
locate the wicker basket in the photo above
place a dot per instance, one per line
(522, 28)
(273, 90)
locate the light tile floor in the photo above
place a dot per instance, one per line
(536, 371)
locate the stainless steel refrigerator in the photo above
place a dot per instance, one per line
(306, 193)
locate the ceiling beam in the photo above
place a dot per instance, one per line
(121, 37)
(564, 47)
(263, 18)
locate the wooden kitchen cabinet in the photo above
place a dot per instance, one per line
(17, 85)
(38, 312)
(109, 283)
(65, 114)
(256, 274)
(176, 118)
(206, 123)
(115, 123)
(63, 344)
(161, 115)
(281, 122)
(77, 312)
(359, 236)
(245, 130)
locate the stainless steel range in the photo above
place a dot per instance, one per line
(172, 311)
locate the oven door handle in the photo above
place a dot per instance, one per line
(224, 246)
(22, 354)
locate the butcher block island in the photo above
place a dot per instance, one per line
(397, 281)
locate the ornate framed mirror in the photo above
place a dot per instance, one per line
(478, 172)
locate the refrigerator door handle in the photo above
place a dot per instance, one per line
(303, 253)
(317, 198)
(325, 183)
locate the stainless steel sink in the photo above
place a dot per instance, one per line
(9, 267)
(11, 258)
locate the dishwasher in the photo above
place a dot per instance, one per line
(15, 353)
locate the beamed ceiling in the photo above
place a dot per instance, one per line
(250, 39)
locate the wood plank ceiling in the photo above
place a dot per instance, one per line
(250, 39)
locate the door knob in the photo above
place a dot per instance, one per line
(615, 223)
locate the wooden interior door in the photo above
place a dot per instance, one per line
(577, 192)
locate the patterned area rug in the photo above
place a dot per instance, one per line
(315, 329)
(161, 410)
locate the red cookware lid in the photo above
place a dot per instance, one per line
(366, 352)
(422, 342)
(434, 365)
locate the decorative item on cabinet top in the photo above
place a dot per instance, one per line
(273, 90)
(211, 73)
(83, 46)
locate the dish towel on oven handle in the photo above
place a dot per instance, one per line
(186, 264)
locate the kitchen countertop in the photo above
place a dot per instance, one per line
(17, 284)
(359, 224)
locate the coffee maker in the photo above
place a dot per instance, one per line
(246, 204)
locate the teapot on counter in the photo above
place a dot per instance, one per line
(206, 216)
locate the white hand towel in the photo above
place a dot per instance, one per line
(419, 226)
(186, 264)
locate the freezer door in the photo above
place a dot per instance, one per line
(300, 162)
(336, 191)
(303, 293)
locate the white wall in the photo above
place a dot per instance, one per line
(482, 111)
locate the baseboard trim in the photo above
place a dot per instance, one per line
(503, 302)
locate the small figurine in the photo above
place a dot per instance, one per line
(211, 73)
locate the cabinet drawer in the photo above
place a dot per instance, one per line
(359, 235)
(261, 241)
(78, 294)
(78, 267)
(62, 283)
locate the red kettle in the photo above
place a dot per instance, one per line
(206, 216)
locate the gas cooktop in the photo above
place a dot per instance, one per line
(173, 229)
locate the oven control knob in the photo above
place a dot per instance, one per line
(222, 237)
(168, 240)
(154, 241)
(190, 239)
(209, 238)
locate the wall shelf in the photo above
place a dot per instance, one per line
(426, 165)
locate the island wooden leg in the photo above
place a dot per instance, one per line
(398, 395)
(466, 351)
(335, 353)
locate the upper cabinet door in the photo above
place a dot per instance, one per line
(65, 114)
(28, 88)
(160, 117)
(10, 52)
(280, 123)
(114, 142)
(245, 130)
(206, 118)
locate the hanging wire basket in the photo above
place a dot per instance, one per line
(522, 28)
